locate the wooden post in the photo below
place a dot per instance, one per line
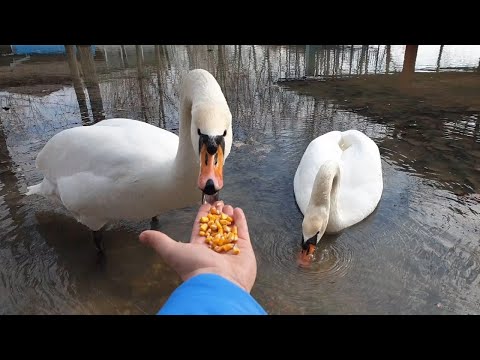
(91, 81)
(409, 62)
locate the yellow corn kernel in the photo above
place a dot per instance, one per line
(219, 235)
(227, 247)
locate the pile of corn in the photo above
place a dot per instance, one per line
(219, 233)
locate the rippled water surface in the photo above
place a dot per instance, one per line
(418, 253)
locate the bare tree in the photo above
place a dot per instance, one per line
(351, 60)
(309, 60)
(343, 58)
(327, 72)
(439, 57)
(221, 69)
(167, 57)
(336, 58)
(367, 48)
(376, 58)
(361, 60)
(140, 77)
(388, 49)
(162, 120)
(124, 55)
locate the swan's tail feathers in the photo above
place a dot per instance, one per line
(34, 189)
(45, 188)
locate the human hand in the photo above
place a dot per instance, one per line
(195, 257)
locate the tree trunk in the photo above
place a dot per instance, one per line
(91, 81)
(77, 83)
(439, 57)
(409, 62)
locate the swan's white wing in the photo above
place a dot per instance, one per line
(321, 149)
(98, 167)
(106, 150)
(361, 184)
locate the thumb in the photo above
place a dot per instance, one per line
(163, 244)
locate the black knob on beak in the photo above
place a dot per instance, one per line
(209, 187)
(311, 241)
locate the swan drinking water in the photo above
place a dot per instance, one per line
(127, 169)
(338, 183)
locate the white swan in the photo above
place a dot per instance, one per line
(128, 169)
(338, 183)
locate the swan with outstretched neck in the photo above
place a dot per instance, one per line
(338, 183)
(127, 169)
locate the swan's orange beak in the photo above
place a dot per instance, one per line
(306, 256)
(308, 249)
(210, 179)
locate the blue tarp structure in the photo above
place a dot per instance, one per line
(40, 49)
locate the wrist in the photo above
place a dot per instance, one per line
(216, 272)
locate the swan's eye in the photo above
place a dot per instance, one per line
(198, 131)
(225, 133)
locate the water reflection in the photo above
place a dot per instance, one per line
(417, 250)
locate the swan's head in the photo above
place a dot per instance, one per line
(211, 134)
(313, 228)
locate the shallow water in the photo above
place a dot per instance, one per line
(418, 253)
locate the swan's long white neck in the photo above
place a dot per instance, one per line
(203, 98)
(186, 159)
(324, 197)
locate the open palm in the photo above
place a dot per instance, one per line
(195, 257)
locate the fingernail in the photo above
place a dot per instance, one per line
(143, 236)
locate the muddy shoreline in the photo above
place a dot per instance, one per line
(429, 95)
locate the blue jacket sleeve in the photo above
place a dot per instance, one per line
(210, 294)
